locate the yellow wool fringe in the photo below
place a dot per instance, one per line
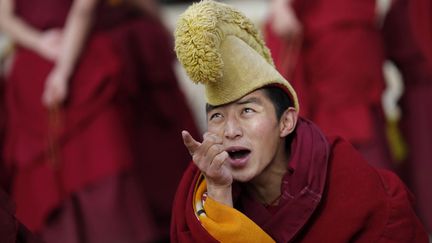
(199, 33)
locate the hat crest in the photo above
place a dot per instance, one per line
(221, 48)
(199, 33)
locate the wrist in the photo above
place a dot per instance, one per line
(221, 194)
(62, 71)
(37, 44)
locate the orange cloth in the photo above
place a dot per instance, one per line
(224, 223)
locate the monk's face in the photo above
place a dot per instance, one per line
(252, 135)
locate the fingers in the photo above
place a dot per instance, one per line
(48, 98)
(56, 88)
(51, 97)
(191, 144)
(209, 156)
(216, 172)
(218, 162)
(205, 160)
(209, 141)
(206, 153)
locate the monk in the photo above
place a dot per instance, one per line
(89, 93)
(407, 35)
(261, 172)
(332, 52)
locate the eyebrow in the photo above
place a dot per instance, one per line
(240, 102)
(250, 100)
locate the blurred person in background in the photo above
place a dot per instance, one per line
(416, 122)
(11, 230)
(4, 46)
(407, 32)
(332, 52)
(87, 80)
(159, 111)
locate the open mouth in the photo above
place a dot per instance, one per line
(238, 154)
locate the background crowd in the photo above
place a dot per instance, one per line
(93, 103)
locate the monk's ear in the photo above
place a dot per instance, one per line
(288, 122)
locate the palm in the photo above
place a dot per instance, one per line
(219, 177)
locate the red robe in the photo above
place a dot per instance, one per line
(420, 15)
(11, 230)
(338, 71)
(408, 34)
(120, 106)
(159, 112)
(418, 117)
(329, 194)
(89, 118)
(4, 181)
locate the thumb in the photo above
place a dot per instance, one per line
(190, 143)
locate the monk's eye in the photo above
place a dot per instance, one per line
(215, 116)
(248, 110)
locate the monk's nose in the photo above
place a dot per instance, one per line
(232, 129)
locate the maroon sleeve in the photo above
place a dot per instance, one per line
(185, 227)
(403, 224)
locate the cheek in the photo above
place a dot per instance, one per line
(215, 129)
(265, 136)
(262, 128)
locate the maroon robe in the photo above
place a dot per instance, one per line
(418, 117)
(420, 15)
(408, 34)
(4, 181)
(338, 72)
(329, 194)
(11, 230)
(159, 112)
(123, 103)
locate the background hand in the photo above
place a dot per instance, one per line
(50, 44)
(56, 89)
(284, 22)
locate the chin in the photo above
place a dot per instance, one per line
(243, 176)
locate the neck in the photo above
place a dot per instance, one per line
(267, 186)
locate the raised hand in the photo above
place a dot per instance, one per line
(209, 156)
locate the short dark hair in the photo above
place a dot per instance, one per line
(280, 99)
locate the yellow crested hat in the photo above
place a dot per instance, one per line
(221, 48)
